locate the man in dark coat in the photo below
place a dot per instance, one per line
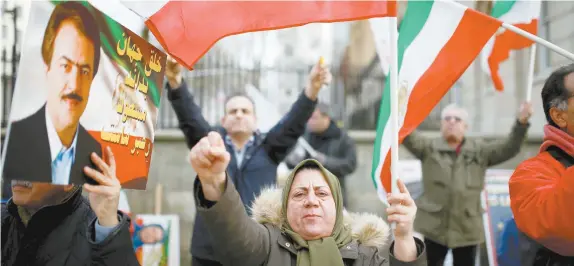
(50, 225)
(52, 138)
(331, 146)
(255, 156)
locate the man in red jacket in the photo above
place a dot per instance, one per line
(542, 188)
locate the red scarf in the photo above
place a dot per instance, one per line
(556, 137)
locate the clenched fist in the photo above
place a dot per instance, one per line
(525, 112)
(209, 159)
(173, 73)
(319, 76)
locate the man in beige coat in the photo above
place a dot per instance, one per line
(449, 210)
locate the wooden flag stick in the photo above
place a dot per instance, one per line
(538, 40)
(394, 119)
(530, 79)
(157, 205)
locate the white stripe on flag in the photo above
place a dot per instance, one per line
(380, 28)
(442, 22)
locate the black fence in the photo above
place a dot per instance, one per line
(354, 99)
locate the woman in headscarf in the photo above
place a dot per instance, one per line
(303, 224)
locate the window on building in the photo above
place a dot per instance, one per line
(555, 26)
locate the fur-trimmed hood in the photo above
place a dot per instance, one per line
(367, 229)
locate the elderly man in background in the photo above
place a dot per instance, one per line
(331, 145)
(302, 224)
(454, 167)
(542, 188)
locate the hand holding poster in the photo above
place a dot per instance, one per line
(84, 83)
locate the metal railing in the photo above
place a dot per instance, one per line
(357, 109)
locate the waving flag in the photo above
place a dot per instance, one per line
(188, 29)
(523, 14)
(380, 28)
(437, 42)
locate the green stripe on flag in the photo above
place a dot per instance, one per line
(501, 7)
(413, 21)
(165, 249)
(110, 34)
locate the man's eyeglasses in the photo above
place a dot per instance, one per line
(449, 118)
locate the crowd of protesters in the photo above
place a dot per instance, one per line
(244, 218)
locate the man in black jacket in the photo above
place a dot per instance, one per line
(255, 156)
(331, 145)
(50, 225)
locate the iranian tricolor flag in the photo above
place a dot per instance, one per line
(188, 29)
(523, 14)
(437, 42)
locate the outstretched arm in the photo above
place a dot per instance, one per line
(237, 237)
(234, 234)
(191, 121)
(416, 144)
(283, 136)
(500, 151)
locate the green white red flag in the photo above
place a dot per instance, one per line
(437, 42)
(523, 14)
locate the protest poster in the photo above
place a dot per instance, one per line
(156, 239)
(84, 83)
(496, 201)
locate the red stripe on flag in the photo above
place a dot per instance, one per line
(188, 29)
(386, 173)
(131, 169)
(503, 44)
(470, 37)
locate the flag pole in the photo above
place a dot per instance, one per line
(394, 119)
(538, 40)
(531, 73)
(2, 89)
